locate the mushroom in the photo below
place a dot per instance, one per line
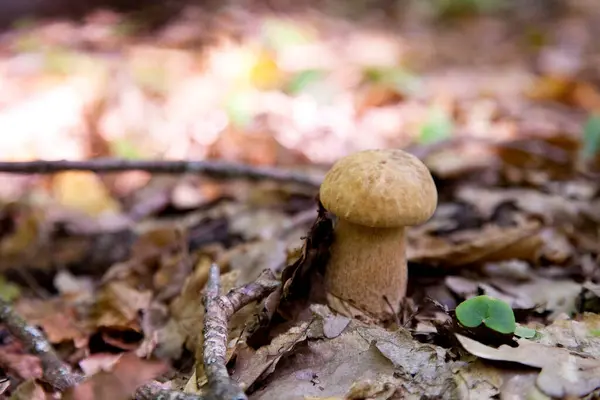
(374, 194)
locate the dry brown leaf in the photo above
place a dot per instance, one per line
(118, 305)
(24, 366)
(73, 287)
(127, 374)
(363, 359)
(261, 224)
(83, 191)
(553, 208)
(537, 160)
(264, 73)
(95, 363)
(371, 389)
(252, 365)
(250, 259)
(28, 229)
(59, 320)
(492, 243)
(550, 87)
(375, 95)
(562, 372)
(187, 311)
(559, 296)
(29, 390)
(478, 381)
(580, 335)
(4, 385)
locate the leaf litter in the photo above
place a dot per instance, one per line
(112, 267)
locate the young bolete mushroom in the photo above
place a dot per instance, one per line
(374, 194)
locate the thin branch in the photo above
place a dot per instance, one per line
(215, 169)
(57, 373)
(153, 391)
(219, 310)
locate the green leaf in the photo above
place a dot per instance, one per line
(397, 78)
(239, 108)
(300, 81)
(494, 313)
(8, 290)
(595, 332)
(280, 34)
(525, 332)
(125, 148)
(437, 127)
(591, 137)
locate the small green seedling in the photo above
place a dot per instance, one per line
(493, 313)
(304, 79)
(437, 127)
(525, 332)
(591, 137)
(595, 332)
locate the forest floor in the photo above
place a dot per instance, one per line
(502, 106)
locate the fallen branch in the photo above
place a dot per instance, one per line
(214, 169)
(219, 310)
(55, 372)
(153, 391)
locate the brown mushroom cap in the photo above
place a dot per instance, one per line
(380, 189)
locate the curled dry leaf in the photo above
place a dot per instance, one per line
(477, 380)
(57, 318)
(187, 311)
(563, 373)
(362, 359)
(29, 390)
(254, 364)
(259, 224)
(118, 305)
(492, 243)
(558, 296)
(250, 259)
(581, 334)
(24, 366)
(118, 383)
(83, 191)
(553, 208)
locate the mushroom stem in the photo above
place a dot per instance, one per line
(367, 268)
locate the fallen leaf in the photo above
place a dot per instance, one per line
(58, 319)
(334, 325)
(363, 359)
(492, 243)
(555, 295)
(24, 366)
(265, 359)
(128, 373)
(580, 335)
(250, 259)
(118, 305)
(259, 224)
(98, 362)
(8, 291)
(477, 380)
(83, 191)
(562, 372)
(29, 390)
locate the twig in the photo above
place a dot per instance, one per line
(153, 391)
(219, 309)
(215, 169)
(57, 373)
